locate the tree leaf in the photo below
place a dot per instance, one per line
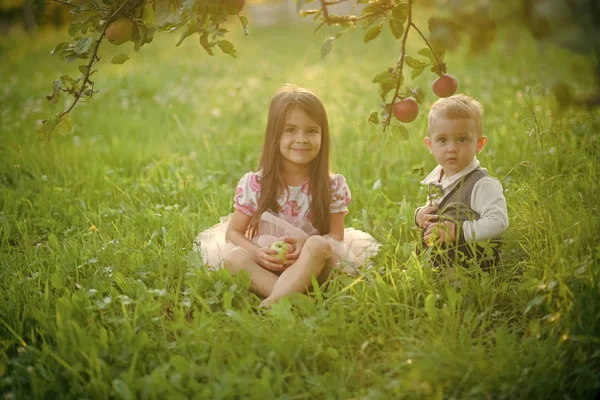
(64, 126)
(414, 63)
(227, 47)
(385, 77)
(400, 12)
(399, 132)
(373, 33)
(397, 28)
(119, 59)
(83, 45)
(418, 94)
(167, 12)
(190, 29)
(53, 97)
(206, 44)
(221, 32)
(48, 126)
(244, 22)
(59, 48)
(374, 118)
(327, 46)
(75, 27)
(437, 69)
(426, 52)
(149, 17)
(385, 88)
(416, 72)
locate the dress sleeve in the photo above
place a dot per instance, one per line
(340, 195)
(246, 194)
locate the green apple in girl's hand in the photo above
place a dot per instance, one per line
(282, 249)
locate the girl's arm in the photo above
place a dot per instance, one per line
(236, 234)
(236, 231)
(336, 231)
(336, 226)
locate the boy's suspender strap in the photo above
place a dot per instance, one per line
(455, 189)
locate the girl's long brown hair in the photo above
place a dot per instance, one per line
(272, 184)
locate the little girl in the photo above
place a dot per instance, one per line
(293, 197)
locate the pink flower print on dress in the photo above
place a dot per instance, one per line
(306, 188)
(345, 196)
(255, 185)
(239, 195)
(246, 208)
(291, 209)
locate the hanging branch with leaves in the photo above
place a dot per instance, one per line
(122, 21)
(405, 101)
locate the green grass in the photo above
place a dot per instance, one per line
(128, 311)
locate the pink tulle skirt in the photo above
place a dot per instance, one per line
(357, 249)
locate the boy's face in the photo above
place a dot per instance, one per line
(454, 143)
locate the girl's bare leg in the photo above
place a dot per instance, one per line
(262, 281)
(297, 277)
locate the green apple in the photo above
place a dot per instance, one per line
(120, 31)
(282, 249)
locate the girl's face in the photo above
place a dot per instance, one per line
(300, 140)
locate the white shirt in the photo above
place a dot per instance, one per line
(487, 199)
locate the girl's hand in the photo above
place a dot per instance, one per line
(297, 245)
(265, 257)
(440, 232)
(426, 216)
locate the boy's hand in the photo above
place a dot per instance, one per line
(426, 216)
(440, 232)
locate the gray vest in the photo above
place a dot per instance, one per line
(456, 207)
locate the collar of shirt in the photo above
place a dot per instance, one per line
(435, 175)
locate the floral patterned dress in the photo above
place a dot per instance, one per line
(293, 219)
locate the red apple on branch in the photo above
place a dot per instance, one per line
(406, 110)
(445, 85)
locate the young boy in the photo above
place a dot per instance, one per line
(465, 208)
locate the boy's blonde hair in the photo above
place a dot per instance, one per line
(459, 106)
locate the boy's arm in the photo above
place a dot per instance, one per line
(488, 201)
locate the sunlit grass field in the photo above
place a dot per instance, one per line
(103, 296)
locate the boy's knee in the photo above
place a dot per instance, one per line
(318, 246)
